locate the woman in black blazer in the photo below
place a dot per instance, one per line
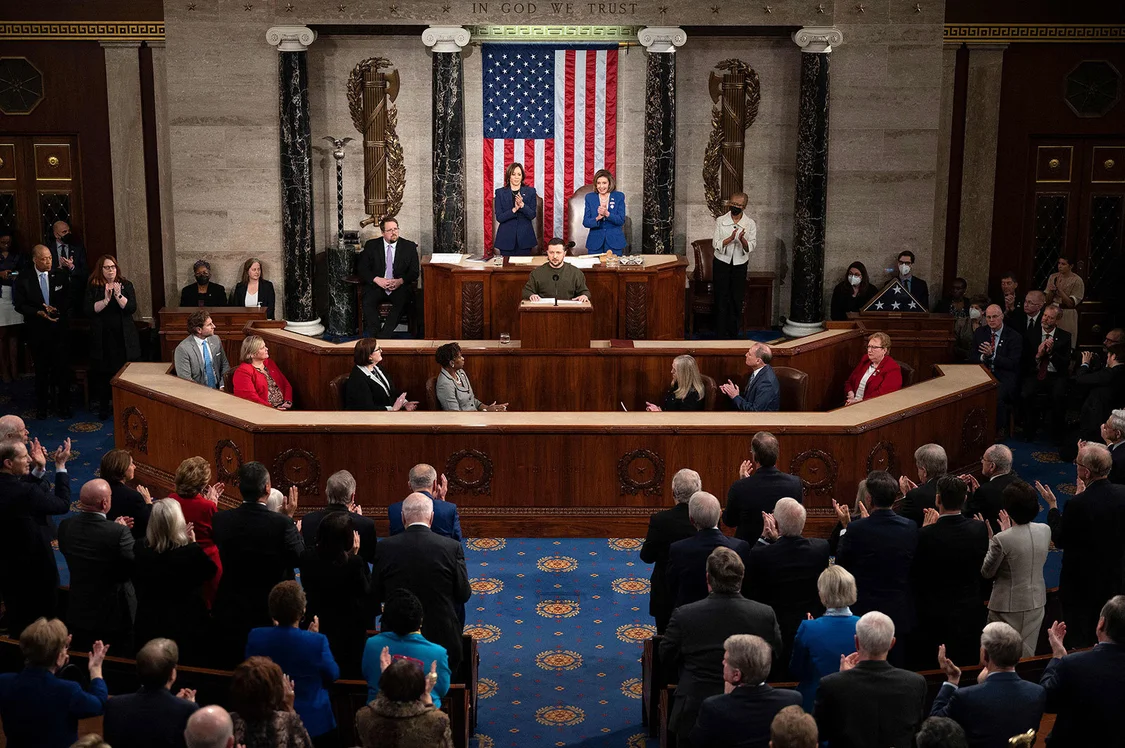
(369, 387)
(116, 468)
(109, 305)
(687, 391)
(253, 285)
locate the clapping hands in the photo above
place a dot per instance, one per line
(952, 672)
(1047, 495)
(61, 455)
(212, 493)
(730, 389)
(905, 485)
(1055, 636)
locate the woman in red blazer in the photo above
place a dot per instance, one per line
(199, 503)
(257, 378)
(877, 374)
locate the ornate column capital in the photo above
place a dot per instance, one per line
(446, 38)
(290, 38)
(662, 39)
(818, 39)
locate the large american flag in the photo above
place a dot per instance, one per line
(552, 108)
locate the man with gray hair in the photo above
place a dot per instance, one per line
(1113, 434)
(687, 558)
(340, 492)
(986, 499)
(870, 702)
(425, 480)
(693, 645)
(744, 712)
(665, 528)
(1002, 704)
(762, 392)
(210, 727)
(931, 462)
(432, 567)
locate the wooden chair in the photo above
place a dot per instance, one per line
(337, 388)
(710, 393)
(576, 210)
(228, 380)
(794, 388)
(907, 373)
(431, 394)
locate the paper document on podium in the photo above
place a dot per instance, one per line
(584, 262)
(520, 260)
(449, 258)
(543, 302)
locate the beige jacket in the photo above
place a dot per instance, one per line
(1015, 561)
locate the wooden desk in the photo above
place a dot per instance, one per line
(229, 322)
(474, 301)
(547, 327)
(544, 474)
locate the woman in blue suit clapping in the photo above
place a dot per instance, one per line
(605, 215)
(515, 207)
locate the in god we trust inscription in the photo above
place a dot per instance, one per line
(555, 8)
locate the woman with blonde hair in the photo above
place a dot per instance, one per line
(687, 391)
(199, 502)
(253, 289)
(820, 641)
(258, 379)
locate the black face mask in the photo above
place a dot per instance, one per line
(65, 238)
(735, 211)
(202, 279)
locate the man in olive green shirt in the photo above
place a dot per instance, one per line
(556, 279)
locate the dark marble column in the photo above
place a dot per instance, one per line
(448, 136)
(660, 138)
(298, 252)
(806, 308)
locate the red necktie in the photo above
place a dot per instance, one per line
(1042, 374)
(994, 343)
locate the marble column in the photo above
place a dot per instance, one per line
(164, 161)
(660, 138)
(806, 308)
(448, 112)
(978, 170)
(127, 167)
(298, 253)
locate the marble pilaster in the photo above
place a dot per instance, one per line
(298, 253)
(806, 307)
(657, 229)
(164, 162)
(127, 166)
(448, 113)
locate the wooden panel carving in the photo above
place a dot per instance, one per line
(882, 457)
(53, 162)
(1054, 163)
(7, 161)
(472, 310)
(636, 310)
(228, 460)
(296, 467)
(136, 429)
(817, 470)
(641, 471)
(469, 471)
(974, 429)
(1108, 164)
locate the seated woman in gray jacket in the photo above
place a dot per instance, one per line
(454, 392)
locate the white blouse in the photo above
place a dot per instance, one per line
(251, 299)
(863, 382)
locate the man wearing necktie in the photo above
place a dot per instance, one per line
(69, 257)
(999, 347)
(1046, 374)
(916, 287)
(388, 267)
(199, 357)
(42, 296)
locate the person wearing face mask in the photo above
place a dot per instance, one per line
(735, 237)
(964, 328)
(852, 293)
(556, 279)
(916, 287)
(203, 293)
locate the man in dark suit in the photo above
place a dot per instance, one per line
(1000, 349)
(203, 293)
(1091, 535)
(29, 576)
(389, 269)
(1026, 319)
(258, 548)
(916, 287)
(693, 645)
(1113, 433)
(1003, 704)
(665, 528)
(99, 554)
(425, 480)
(986, 499)
(783, 574)
(69, 256)
(340, 492)
(1086, 689)
(153, 717)
(870, 702)
(758, 489)
(931, 463)
(878, 550)
(762, 392)
(946, 578)
(42, 296)
(430, 566)
(741, 716)
(1046, 374)
(1102, 391)
(687, 558)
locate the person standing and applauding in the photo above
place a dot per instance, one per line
(110, 303)
(515, 206)
(736, 235)
(604, 215)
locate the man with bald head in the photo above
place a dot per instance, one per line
(999, 348)
(986, 497)
(99, 554)
(687, 558)
(762, 392)
(209, 727)
(429, 565)
(42, 296)
(1091, 534)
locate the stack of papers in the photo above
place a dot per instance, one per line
(450, 258)
(584, 262)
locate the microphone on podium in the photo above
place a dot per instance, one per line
(555, 278)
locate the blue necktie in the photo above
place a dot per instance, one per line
(43, 287)
(208, 366)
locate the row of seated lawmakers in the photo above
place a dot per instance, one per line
(907, 586)
(252, 290)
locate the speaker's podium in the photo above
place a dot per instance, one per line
(545, 325)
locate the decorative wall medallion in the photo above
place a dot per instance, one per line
(136, 429)
(636, 310)
(817, 470)
(641, 471)
(296, 467)
(1053, 164)
(21, 86)
(472, 310)
(469, 471)
(228, 460)
(974, 428)
(1093, 88)
(882, 457)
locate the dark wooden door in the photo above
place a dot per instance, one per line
(40, 183)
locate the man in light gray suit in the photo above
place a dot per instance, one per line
(199, 357)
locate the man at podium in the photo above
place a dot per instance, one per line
(556, 279)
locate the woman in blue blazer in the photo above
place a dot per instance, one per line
(515, 206)
(605, 215)
(820, 642)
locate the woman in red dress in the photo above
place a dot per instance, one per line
(199, 503)
(877, 374)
